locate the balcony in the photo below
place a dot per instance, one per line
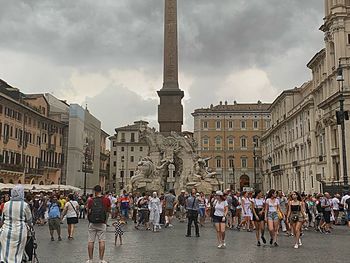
(51, 147)
(49, 165)
(275, 168)
(335, 152)
(295, 163)
(12, 167)
(34, 172)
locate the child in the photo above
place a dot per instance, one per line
(118, 231)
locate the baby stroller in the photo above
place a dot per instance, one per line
(30, 248)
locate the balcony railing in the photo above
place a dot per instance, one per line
(50, 165)
(275, 168)
(34, 171)
(12, 167)
(51, 147)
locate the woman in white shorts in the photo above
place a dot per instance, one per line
(246, 211)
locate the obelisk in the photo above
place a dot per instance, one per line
(170, 110)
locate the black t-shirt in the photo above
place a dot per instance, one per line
(348, 203)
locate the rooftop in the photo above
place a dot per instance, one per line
(235, 107)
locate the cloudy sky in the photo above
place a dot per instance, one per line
(108, 53)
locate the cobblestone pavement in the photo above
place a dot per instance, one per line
(170, 245)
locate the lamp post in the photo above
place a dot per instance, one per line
(341, 116)
(233, 178)
(122, 174)
(86, 152)
(254, 157)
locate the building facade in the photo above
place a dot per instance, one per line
(303, 150)
(230, 136)
(104, 161)
(127, 149)
(31, 144)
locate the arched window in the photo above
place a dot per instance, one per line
(256, 142)
(218, 161)
(205, 143)
(243, 142)
(230, 143)
(231, 161)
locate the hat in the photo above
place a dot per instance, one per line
(219, 193)
(197, 194)
(183, 191)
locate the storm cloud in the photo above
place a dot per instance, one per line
(108, 53)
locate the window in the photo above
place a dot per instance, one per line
(131, 174)
(243, 142)
(122, 158)
(114, 163)
(132, 148)
(205, 125)
(122, 137)
(115, 153)
(349, 39)
(205, 141)
(218, 124)
(230, 143)
(231, 163)
(132, 159)
(218, 162)
(218, 143)
(122, 149)
(256, 125)
(230, 124)
(121, 174)
(132, 137)
(256, 142)
(244, 162)
(243, 125)
(141, 149)
(114, 143)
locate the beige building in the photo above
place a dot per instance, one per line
(303, 150)
(31, 144)
(127, 149)
(230, 136)
(104, 161)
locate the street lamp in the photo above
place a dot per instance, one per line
(86, 152)
(233, 178)
(254, 156)
(341, 117)
(122, 174)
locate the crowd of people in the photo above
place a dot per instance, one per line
(273, 212)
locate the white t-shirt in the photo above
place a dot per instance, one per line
(259, 203)
(272, 204)
(70, 210)
(335, 202)
(343, 200)
(220, 208)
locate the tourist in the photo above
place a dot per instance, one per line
(326, 207)
(319, 220)
(118, 231)
(219, 218)
(71, 212)
(272, 208)
(192, 207)
(283, 205)
(54, 218)
(181, 201)
(229, 200)
(258, 208)
(124, 203)
(16, 214)
(202, 206)
(155, 209)
(81, 208)
(296, 216)
(335, 208)
(239, 210)
(247, 212)
(135, 199)
(170, 205)
(143, 211)
(97, 209)
(347, 210)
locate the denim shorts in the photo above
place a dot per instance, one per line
(272, 216)
(201, 212)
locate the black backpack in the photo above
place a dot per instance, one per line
(235, 202)
(97, 214)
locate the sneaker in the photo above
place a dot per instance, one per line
(170, 225)
(259, 244)
(296, 246)
(271, 241)
(300, 244)
(188, 236)
(89, 261)
(275, 244)
(103, 261)
(220, 246)
(166, 225)
(263, 239)
(224, 245)
(59, 239)
(197, 235)
(52, 239)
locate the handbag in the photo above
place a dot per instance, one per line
(280, 215)
(190, 212)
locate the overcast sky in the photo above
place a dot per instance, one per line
(109, 53)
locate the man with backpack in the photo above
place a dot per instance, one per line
(97, 208)
(54, 217)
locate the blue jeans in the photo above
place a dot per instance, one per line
(125, 212)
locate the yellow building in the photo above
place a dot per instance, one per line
(30, 141)
(230, 136)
